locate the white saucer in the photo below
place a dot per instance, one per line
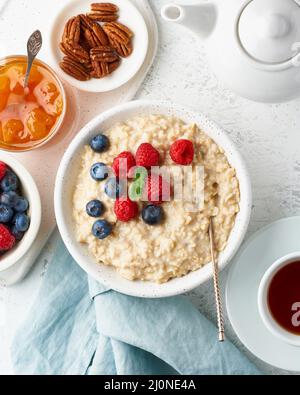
(131, 17)
(254, 258)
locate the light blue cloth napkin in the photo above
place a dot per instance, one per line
(76, 326)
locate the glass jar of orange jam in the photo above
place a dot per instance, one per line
(28, 117)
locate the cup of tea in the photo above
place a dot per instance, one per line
(279, 298)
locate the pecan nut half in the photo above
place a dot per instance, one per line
(86, 22)
(100, 35)
(113, 66)
(66, 33)
(66, 52)
(96, 32)
(118, 32)
(72, 31)
(105, 7)
(103, 12)
(100, 16)
(89, 38)
(119, 37)
(74, 69)
(76, 51)
(123, 50)
(75, 30)
(104, 54)
(100, 69)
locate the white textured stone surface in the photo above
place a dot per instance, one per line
(267, 135)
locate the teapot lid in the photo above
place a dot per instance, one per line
(268, 29)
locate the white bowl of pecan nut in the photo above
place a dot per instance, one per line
(98, 47)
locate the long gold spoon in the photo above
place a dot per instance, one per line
(216, 283)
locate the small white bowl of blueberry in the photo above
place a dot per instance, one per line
(20, 211)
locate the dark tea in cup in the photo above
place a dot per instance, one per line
(284, 297)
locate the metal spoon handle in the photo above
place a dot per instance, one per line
(34, 44)
(216, 285)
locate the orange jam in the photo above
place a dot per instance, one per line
(28, 116)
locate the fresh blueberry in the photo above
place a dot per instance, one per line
(101, 229)
(115, 188)
(10, 182)
(9, 198)
(95, 208)
(6, 214)
(18, 234)
(99, 171)
(152, 214)
(21, 222)
(99, 143)
(21, 205)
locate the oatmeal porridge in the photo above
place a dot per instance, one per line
(177, 244)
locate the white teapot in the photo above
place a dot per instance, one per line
(253, 45)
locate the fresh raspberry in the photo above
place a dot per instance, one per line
(147, 156)
(7, 240)
(125, 210)
(158, 189)
(3, 169)
(182, 152)
(123, 163)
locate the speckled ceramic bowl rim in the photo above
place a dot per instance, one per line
(64, 99)
(64, 190)
(31, 192)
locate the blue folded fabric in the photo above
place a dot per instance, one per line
(77, 326)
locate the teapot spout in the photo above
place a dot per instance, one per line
(200, 18)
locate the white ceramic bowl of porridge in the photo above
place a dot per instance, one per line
(85, 253)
